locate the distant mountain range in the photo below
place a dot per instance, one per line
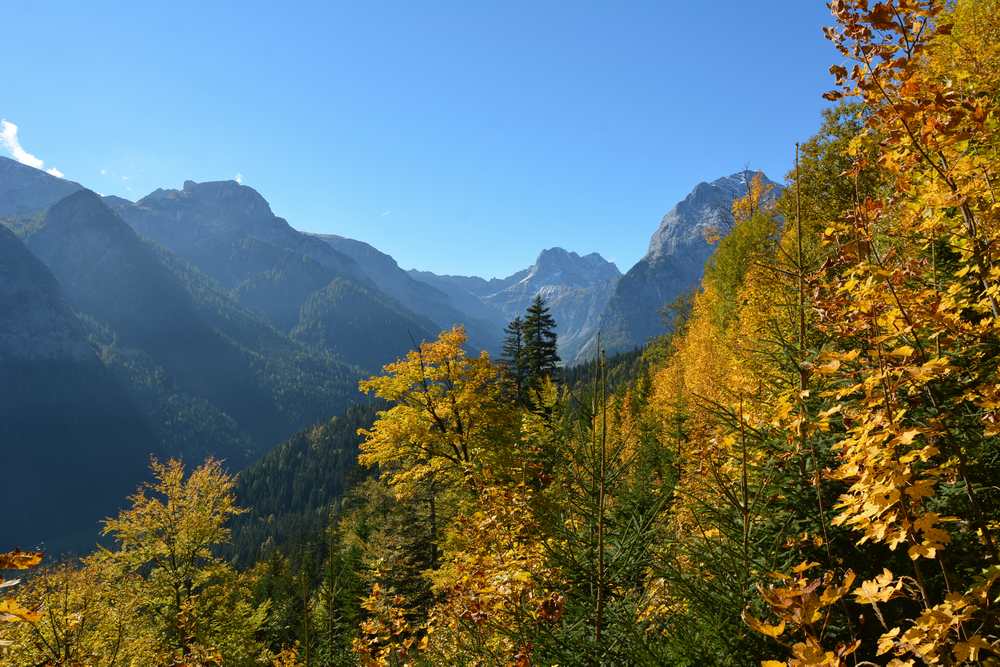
(588, 296)
(575, 288)
(196, 322)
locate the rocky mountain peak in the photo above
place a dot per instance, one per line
(707, 208)
(563, 267)
(227, 198)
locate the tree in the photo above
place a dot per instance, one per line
(513, 357)
(541, 360)
(195, 601)
(89, 615)
(446, 417)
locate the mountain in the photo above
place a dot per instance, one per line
(229, 232)
(359, 323)
(466, 294)
(437, 305)
(25, 190)
(479, 287)
(74, 444)
(211, 377)
(289, 492)
(672, 266)
(575, 288)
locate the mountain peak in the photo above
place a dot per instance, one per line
(83, 207)
(557, 258)
(708, 206)
(228, 195)
(26, 190)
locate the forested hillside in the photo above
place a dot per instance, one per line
(802, 472)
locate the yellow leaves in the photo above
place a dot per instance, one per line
(834, 592)
(880, 589)
(887, 641)
(804, 567)
(447, 417)
(921, 551)
(969, 650)
(829, 368)
(756, 625)
(802, 600)
(12, 611)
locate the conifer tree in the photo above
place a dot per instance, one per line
(512, 356)
(538, 332)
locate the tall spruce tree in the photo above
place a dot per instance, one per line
(538, 335)
(512, 356)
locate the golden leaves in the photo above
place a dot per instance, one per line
(10, 610)
(19, 560)
(772, 631)
(880, 589)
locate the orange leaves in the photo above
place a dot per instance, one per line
(803, 604)
(803, 600)
(386, 637)
(19, 560)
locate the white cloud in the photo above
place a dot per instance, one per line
(9, 140)
(238, 178)
(104, 172)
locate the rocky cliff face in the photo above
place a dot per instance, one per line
(673, 265)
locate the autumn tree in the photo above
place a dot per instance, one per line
(89, 614)
(195, 601)
(447, 414)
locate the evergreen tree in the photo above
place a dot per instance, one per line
(538, 331)
(512, 356)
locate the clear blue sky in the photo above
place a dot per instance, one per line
(460, 137)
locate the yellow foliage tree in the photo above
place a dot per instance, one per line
(198, 605)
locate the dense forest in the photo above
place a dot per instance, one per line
(803, 472)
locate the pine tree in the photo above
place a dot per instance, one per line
(538, 332)
(512, 356)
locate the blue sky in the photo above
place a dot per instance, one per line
(460, 137)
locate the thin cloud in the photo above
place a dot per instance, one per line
(238, 178)
(10, 141)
